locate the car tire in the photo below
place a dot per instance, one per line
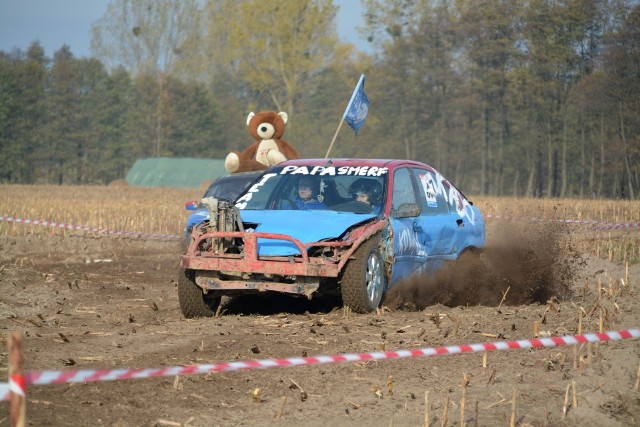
(193, 302)
(363, 281)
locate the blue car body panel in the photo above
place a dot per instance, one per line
(309, 226)
(199, 215)
(427, 244)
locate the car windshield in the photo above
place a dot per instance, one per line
(356, 189)
(229, 187)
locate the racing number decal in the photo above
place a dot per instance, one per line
(429, 187)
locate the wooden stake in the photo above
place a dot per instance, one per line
(600, 329)
(504, 296)
(512, 421)
(575, 349)
(283, 400)
(445, 410)
(17, 402)
(580, 358)
(626, 272)
(465, 382)
(637, 379)
(580, 321)
(490, 380)
(573, 392)
(484, 364)
(455, 330)
(565, 407)
(426, 408)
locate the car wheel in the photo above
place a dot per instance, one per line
(363, 281)
(193, 302)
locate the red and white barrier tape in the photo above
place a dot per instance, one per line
(16, 384)
(602, 226)
(4, 391)
(85, 228)
(90, 375)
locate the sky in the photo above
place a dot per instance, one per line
(57, 22)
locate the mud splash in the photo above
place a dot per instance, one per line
(530, 262)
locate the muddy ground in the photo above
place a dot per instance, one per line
(103, 303)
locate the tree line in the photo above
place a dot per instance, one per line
(509, 97)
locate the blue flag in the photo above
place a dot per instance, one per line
(358, 107)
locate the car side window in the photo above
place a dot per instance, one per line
(436, 203)
(402, 189)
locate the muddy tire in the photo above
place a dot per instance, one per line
(363, 281)
(193, 302)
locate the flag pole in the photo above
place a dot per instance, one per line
(346, 110)
(334, 138)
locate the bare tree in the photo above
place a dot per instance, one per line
(146, 36)
(273, 46)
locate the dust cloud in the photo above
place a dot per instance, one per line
(533, 261)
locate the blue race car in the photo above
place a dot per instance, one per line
(315, 227)
(227, 187)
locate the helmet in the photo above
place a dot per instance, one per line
(368, 186)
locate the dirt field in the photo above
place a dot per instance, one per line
(103, 303)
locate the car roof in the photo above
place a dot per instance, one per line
(389, 163)
(238, 176)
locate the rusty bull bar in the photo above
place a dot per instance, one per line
(306, 271)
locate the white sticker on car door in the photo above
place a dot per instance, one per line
(429, 187)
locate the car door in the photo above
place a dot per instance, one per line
(408, 236)
(437, 221)
(470, 230)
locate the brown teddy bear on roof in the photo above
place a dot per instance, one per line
(266, 128)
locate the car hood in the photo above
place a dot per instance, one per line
(306, 226)
(197, 217)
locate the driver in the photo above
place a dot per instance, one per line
(363, 196)
(366, 191)
(306, 199)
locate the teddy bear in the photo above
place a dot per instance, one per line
(266, 128)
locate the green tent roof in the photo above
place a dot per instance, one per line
(174, 172)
